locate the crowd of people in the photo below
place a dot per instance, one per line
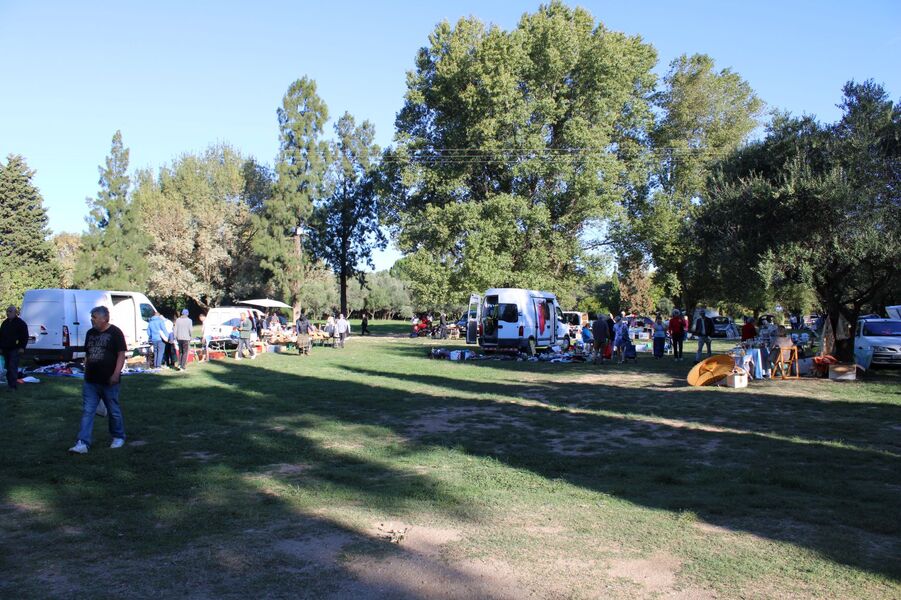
(611, 337)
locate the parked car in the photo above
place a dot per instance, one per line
(221, 321)
(514, 318)
(59, 319)
(724, 327)
(575, 321)
(883, 336)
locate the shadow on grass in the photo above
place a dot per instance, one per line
(211, 473)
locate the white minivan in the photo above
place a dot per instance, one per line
(221, 321)
(58, 319)
(518, 319)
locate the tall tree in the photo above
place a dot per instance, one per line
(345, 225)
(67, 248)
(510, 144)
(842, 181)
(704, 115)
(300, 168)
(26, 255)
(113, 248)
(198, 216)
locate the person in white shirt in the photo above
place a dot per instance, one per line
(342, 328)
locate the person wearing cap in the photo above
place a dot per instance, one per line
(13, 339)
(183, 333)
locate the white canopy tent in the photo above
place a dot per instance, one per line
(266, 303)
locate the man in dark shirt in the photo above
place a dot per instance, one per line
(364, 327)
(104, 357)
(600, 335)
(13, 339)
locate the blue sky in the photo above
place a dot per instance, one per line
(177, 76)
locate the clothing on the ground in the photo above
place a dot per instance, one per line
(101, 351)
(13, 334)
(183, 328)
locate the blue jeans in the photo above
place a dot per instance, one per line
(159, 348)
(91, 395)
(702, 339)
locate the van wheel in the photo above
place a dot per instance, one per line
(564, 345)
(531, 348)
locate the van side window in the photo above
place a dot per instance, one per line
(508, 313)
(146, 311)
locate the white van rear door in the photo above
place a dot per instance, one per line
(124, 316)
(45, 320)
(473, 319)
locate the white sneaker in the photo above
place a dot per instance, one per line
(253, 357)
(79, 448)
(117, 443)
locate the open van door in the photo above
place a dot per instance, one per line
(474, 316)
(545, 322)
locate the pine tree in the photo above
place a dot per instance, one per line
(345, 224)
(26, 254)
(299, 174)
(114, 247)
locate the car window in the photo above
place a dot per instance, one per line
(883, 328)
(146, 311)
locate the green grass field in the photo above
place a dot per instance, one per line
(375, 472)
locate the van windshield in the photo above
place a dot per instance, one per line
(501, 311)
(883, 328)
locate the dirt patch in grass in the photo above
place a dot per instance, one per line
(457, 418)
(199, 455)
(314, 552)
(654, 575)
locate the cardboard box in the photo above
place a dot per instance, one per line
(737, 379)
(843, 372)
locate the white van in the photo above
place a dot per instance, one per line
(58, 319)
(221, 321)
(515, 318)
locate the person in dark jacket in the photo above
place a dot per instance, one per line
(703, 329)
(600, 334)
(13, 339)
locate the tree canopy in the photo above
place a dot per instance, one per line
(511, 143)
(812, 205)
(26, 255)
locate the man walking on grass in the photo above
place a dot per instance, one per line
(704, 330)
(599, 333)
(183, 330)
(13, 339)
(104, 357)
(245, 328)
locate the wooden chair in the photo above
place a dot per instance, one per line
(785, 362)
